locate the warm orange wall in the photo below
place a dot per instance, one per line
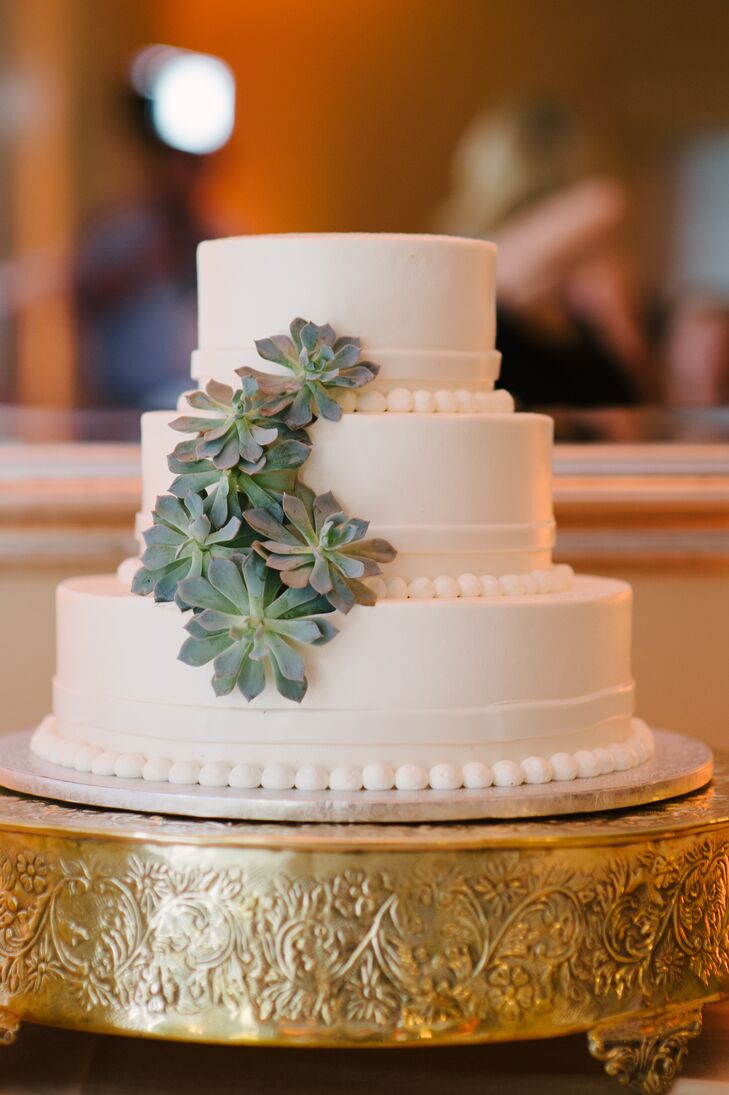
(348, 109)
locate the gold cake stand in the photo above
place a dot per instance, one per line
(616, 924)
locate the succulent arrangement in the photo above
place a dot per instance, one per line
(316, 363)
(240, 539)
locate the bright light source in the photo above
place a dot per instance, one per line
(192, 97)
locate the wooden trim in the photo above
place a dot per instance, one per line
(42, 214)
(76, 503)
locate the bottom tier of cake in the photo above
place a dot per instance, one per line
(441, 693)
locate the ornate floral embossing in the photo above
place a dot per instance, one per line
(265, 931)
(506, 937)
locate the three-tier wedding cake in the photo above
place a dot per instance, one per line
(268, 637)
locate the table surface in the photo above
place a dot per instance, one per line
(55, 1062)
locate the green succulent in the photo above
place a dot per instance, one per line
(231, 490)
(236, 427)
(181, 543)
(318, 545)
(250, 623)
(318, 362)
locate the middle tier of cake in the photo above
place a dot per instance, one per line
(454, 493)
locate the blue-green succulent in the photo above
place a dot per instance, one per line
(248, 623)
(235, 429)
(181, 543)
(232, 490)
(318, 545)
(317, 364)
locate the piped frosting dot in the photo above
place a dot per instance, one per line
(587, 763)
(67, 754)
(623, 755)
(563, 576)
(477, 775)
(507, 773)
(491, 586)
(483, 402)
(311, 777)
(345, 778)
(529, 584)
(378, 587)
(423, 401)
(605, 761)
(85, 757)
(245, 776)
(445, 777)
(642, 740)
(511, 584)
(45, 751)
(421, 588)
(371, 403)
(157, 769)
(469, 585)
(564, 766)
(501, 401)
(445, 586)
(277, 777)
(347, 400)
(129, 766)
(543, 579)
(400, 401)
(396, 587)
(446, 401)
(54, 749)
(214, 774)
(126, 570)
(378, 777)
(536, 770)
(184, 772)
(104, 764)
(467, 402)
(411, 777)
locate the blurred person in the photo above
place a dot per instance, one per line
(696, 338)
(135, 282)
(569, 315)
(696, 352)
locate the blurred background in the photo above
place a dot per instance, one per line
(590, 140)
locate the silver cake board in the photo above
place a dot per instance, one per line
(679, 765)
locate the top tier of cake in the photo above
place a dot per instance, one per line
(423, 305)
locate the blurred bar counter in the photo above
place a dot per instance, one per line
(69, 487)
(655, 513)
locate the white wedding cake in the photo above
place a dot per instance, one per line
(268, 637)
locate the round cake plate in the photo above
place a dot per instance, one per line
(679, 765)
